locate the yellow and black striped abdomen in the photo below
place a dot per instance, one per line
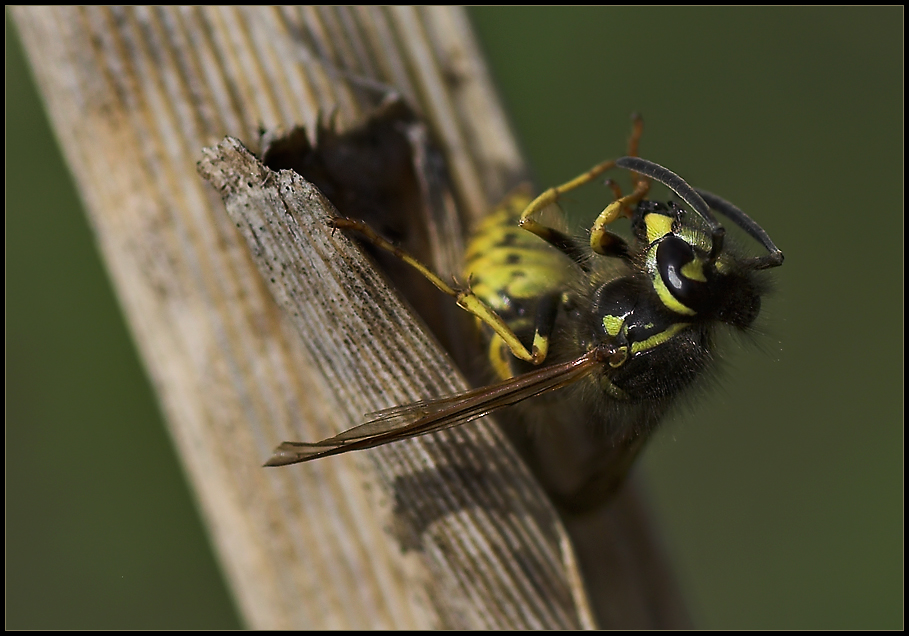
(512, 271)
(509, 268)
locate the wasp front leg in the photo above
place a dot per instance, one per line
(601, 240)
(551, 196)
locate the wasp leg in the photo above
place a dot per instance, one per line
(601, 241)
(604, 242)
(545, 319)
(544, 323)
(566, 244)
(551, 196)
(465, 298)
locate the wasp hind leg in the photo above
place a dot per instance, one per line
(464, 297)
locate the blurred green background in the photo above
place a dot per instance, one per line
(780, 494)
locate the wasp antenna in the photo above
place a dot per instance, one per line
(672, 181)
(755, 231)
(685, 192)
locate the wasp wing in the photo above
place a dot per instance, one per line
(428, 416)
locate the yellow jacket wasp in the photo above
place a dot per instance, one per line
(627, 324)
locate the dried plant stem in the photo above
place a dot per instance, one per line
(444, 531)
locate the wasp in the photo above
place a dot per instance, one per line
(613, 330)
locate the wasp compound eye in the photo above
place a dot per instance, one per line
(682, 273)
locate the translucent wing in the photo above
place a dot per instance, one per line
(419, 418)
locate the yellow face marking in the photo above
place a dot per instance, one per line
(658, 226)
(659, 338)
(613, 324)
(667, 298)
(694, 271)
